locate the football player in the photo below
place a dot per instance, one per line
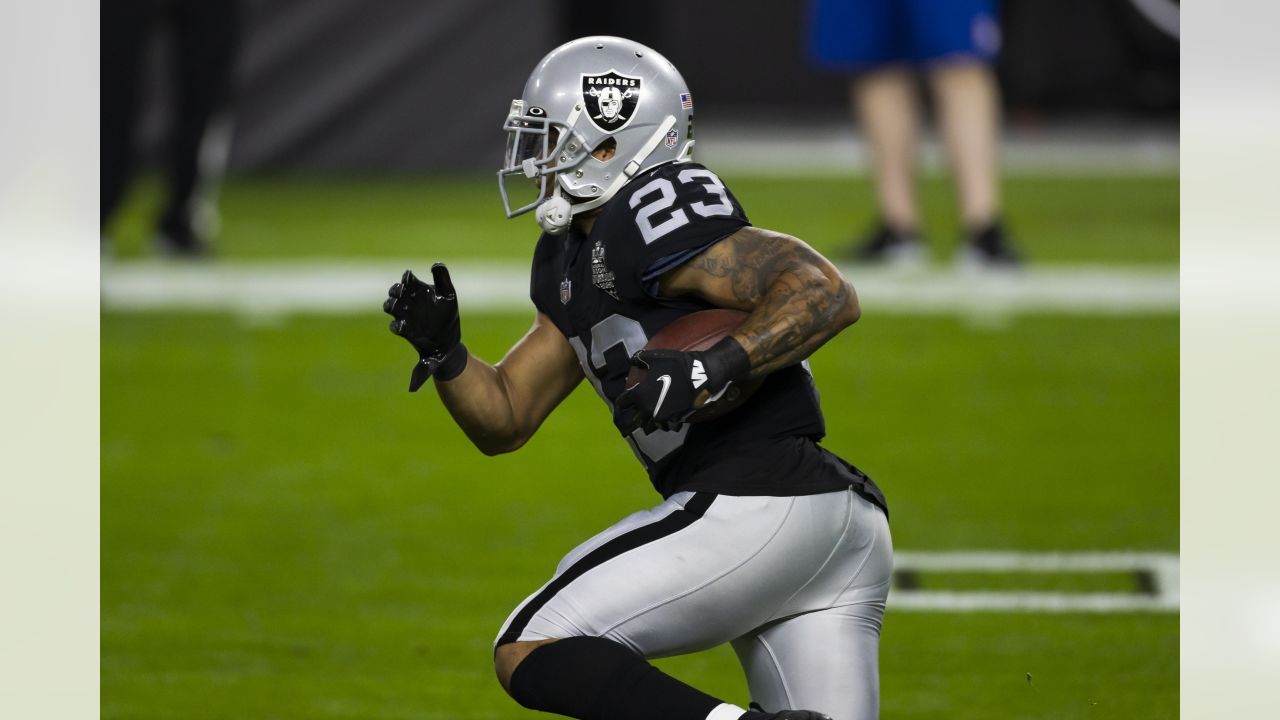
(763, 539)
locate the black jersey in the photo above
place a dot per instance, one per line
(600, 290)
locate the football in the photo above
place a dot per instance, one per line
(699, 331)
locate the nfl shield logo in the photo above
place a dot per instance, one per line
(566, 291)
(673, 136)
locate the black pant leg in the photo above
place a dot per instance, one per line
(125, 28)
(206, 38)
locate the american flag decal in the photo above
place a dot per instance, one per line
(686, 101)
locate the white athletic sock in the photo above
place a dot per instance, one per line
(725, 711)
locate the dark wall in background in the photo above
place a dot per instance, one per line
(1087, 56)
(397, 85)
(414, 86)
(1060, 57)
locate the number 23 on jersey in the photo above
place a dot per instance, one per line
(657, 197)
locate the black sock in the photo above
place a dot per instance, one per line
(592, 678)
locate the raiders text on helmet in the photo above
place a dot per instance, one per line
(582, 95)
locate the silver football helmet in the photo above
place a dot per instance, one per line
(580, 97)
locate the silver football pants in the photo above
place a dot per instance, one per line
(797, 585)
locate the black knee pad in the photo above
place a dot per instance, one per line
(570, 676)
(592, 678)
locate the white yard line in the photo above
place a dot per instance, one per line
(1032, 602)
(1162, 569)
(349, 287)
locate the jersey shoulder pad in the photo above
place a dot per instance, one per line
(663, 218)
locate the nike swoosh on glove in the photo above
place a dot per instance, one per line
(678, 383)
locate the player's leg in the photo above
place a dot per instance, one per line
(593, 667)
(547, 658)
(689, 575)
(593, 678)
(826, 660)
(864, 39)
(888, 111)
(957, 40)
(968, 118)
(206, 40)
(125, 29)
(967, 98)
(823, 653)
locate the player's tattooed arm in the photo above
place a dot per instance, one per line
(500, 406)
(796, 298)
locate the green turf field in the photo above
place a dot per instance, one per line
(287, 533)
(1130, 219)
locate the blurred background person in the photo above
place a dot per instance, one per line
(204, 39)
(884, 43)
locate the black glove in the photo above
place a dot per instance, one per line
(427, 316)
(678, 384)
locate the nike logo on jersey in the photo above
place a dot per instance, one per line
(699, 375)
(666, 384)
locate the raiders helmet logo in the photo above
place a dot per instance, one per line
(610, 99)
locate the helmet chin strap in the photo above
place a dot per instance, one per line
(630, 169)
(555, 214)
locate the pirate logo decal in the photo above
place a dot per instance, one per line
(610, 99)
